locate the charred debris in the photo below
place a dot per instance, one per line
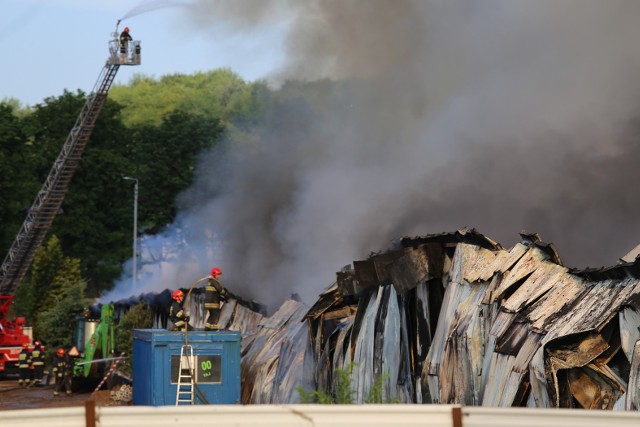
(452, 318)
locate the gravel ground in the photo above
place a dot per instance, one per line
(13, 396)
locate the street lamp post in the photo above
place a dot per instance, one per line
(135, 227)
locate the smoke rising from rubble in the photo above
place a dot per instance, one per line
(501, 115)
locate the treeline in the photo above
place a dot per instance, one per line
(149, 129)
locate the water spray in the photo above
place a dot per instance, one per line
(154, 5)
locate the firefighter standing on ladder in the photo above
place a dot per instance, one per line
(213, 293)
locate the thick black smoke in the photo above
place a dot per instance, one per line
(501, 115)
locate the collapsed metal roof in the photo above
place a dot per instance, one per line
(456, 318)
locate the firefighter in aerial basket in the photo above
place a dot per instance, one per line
(177, 314)
(125, 38)
(214, 292)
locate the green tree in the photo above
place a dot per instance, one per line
(17, 184)
(33, 296)
(166, 158)
(94, 222)
(139, 316)
(218, 94)
(151, 129)
(54, 296)
(56, 324)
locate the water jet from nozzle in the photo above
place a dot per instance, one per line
(153, 5)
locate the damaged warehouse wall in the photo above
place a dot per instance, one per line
(454, 318)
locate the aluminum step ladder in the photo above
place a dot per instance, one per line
(184, 391)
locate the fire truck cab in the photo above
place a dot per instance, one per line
(13, 333)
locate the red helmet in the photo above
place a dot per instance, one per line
(177, 295)
(25, 345)
(126, 29)
(37, 343)
(60, 351)
(215, 272)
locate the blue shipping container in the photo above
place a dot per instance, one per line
(156, 361)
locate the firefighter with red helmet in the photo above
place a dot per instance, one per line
(63, 371)
(177, 315)
(24, 365)
(37, 357)
(214, 292)
(125, 38)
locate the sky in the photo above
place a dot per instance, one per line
(503, 115)
(53, 45)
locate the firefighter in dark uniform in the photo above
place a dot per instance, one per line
(125, 38)
(63, 371)
(214, 292)
(177, 314)
(37, 357)
(24, 365)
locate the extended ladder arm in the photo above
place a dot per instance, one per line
(49, 199)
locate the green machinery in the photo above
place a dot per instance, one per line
(95, 343)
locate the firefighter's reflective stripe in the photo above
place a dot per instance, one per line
(23, 360)
(179, 323)
(215, 286)
(211, 305)
(37, 357)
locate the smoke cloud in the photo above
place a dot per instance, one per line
(503, 115)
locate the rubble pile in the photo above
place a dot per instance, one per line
(122, 395)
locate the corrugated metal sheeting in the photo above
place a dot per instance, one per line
(456, 318)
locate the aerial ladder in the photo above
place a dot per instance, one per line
(49, 199)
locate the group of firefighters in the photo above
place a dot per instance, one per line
(31, 362)
(31, 367)
(214, 294)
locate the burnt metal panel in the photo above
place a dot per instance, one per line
(464, 235)
(512, 339)
(523, 268)
(549, 249)
(629, 319)
(577, 349)
(593, 388)
(410, 269)
(633, 389)
(347, 283)
(541, 281)
(383, 264)
(324, 302)
(365, 273)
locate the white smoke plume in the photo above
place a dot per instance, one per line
(502, 115)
